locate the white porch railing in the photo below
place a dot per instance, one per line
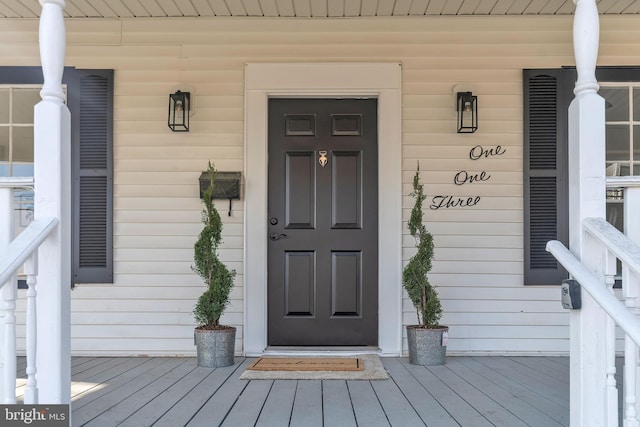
(597, 278)
(14, 254)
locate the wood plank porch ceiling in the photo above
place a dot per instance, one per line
(308, 8)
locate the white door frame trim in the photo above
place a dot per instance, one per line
(380, 80)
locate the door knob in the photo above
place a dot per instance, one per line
(276, 236)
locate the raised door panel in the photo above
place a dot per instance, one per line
(346, 190)
(346, 279)
(300, 190)
(299, 283)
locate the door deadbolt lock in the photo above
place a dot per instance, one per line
(273, 221)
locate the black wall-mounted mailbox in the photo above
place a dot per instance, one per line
(226, 185)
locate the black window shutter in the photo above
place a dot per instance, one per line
(90, 100)
(545, 173)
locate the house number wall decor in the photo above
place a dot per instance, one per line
(464, 177)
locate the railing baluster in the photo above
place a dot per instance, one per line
(9, 344)
(630, 281)
(630, 360)
(31, 271)
(5, 237)
(629, 278)
(612, 391)
(15, 253)
(8, 304)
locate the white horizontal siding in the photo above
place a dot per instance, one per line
(478, 259)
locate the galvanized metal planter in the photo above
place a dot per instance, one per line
(426, 346)
(215, 347)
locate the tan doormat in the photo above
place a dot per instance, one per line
(371, 369)
(307, 364)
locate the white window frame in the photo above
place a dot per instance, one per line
(11, 123)
(634, 164)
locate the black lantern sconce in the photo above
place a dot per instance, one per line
(179, 108)
(467, 108)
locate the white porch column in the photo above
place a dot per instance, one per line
(587, 199)
(52, 199)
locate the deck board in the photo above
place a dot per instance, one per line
(156, 408)
(523, 410)
(462, 411)
(191, 402)
(425, 405)
(278, 405)
(546, 365)
(466, 391)
(215, 410)
(307, 405)
(536, 381)
(398, 409)
(336, 404)
(491, 410)
(122, 388)
(127, 406)
(366, 406)
(246, 410)
(554, 409)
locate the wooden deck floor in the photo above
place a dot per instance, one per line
(467, 391)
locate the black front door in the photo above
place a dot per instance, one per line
(323, 222)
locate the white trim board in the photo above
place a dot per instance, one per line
(380, 80)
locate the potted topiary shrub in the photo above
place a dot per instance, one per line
(214, 342)
(427, 339)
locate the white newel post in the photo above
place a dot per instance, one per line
(52, 199)
(587, 199)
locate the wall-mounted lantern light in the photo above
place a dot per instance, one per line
(179, 108)
(467, 108)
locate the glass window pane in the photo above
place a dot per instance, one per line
(617, 142)
(614, 215)
(613, 168)
(23, 169)
(23, 144)
(4, 106)
(636, 103)
(23, 210)
(636, 143)
(4, 143)
(616, 103)
(4, 169)
(23, 102)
